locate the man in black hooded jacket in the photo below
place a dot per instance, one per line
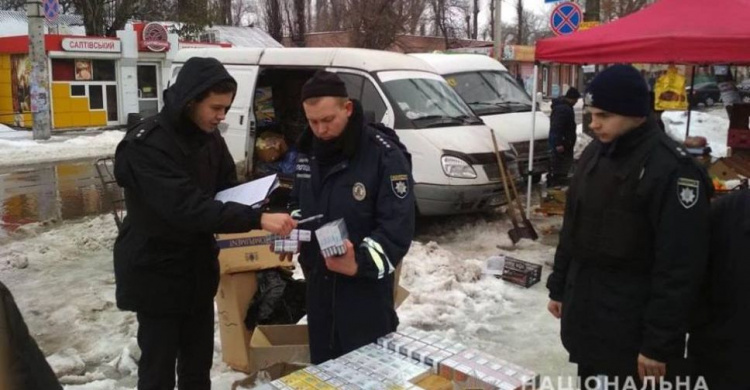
(166, 268)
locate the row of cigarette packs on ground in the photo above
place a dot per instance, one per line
(331, 237)
(405, 360)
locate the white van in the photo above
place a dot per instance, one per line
(454, 165)
(488, 88)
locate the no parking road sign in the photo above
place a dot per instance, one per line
(566, 18)
(51, 9)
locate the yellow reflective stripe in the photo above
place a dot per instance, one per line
(378, 262)
(375, 245)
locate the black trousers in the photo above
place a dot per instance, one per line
(185, 340)
(560, 165)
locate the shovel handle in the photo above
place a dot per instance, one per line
(504, 176)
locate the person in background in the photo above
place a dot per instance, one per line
(634, 241)
(719, 343)
(562, 137)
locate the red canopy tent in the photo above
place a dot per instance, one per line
(669, 31)
(695, 32)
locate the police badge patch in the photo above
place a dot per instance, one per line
(359, 191)
(400, 185)
(688, 192)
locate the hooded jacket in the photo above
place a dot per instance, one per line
(165, 255)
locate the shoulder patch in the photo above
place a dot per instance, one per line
(688, 192)
(400, 185)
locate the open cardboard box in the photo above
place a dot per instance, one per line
(248, 351)
(249, 251)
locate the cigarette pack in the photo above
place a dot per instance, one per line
(331, 238)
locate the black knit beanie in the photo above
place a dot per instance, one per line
(324, 83)
(619, 89)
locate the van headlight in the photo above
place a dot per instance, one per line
(457, 167)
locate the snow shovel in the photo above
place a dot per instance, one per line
(517, 232)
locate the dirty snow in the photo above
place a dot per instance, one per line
(66, 292)
(714, 125)
(17, 146)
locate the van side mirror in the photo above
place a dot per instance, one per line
(369, 116)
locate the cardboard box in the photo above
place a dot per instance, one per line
(249, 251)
(273, 344)
(232, 300)
(236, 291)
(521, 272)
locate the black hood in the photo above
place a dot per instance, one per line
(196, 76)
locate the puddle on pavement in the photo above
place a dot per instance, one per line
(54, 191)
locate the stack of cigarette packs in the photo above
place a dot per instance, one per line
(401, 359)
(331, 238)
(291, 243)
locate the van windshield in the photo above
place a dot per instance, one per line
(429, 102)
(490, 92)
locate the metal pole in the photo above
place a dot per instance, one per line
(39, 80)
(498, 30)
(692, 92)
(531, 142)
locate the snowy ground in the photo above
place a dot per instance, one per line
(62, 279)
(714, 125)
(17, 146)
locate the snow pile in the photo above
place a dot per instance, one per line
(713, 125)
(17, 150)
(66, 294)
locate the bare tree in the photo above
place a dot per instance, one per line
(475, 19)
(531, 28)
(240, 8)
(614, 9)
(273, 20)
(104, 17)
(520, 38)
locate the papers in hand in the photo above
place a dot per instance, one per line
(252, 193)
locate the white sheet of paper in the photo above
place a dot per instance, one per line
(250, 193)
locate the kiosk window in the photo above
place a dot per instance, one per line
(77, 90)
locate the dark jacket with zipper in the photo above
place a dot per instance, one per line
(368, 183)
(719, 339)
(165, 254)
(562, 124)
(632, 250)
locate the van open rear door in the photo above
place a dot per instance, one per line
(240, 128)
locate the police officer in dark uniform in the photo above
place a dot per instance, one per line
(634, 240)
(359, 172)
(719, 343)
(166, 267)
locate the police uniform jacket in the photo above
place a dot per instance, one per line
(632, 250)
(371, 189)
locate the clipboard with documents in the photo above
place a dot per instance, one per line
(252, 193)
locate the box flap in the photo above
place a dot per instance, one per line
(401, 295)
(279, 335)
